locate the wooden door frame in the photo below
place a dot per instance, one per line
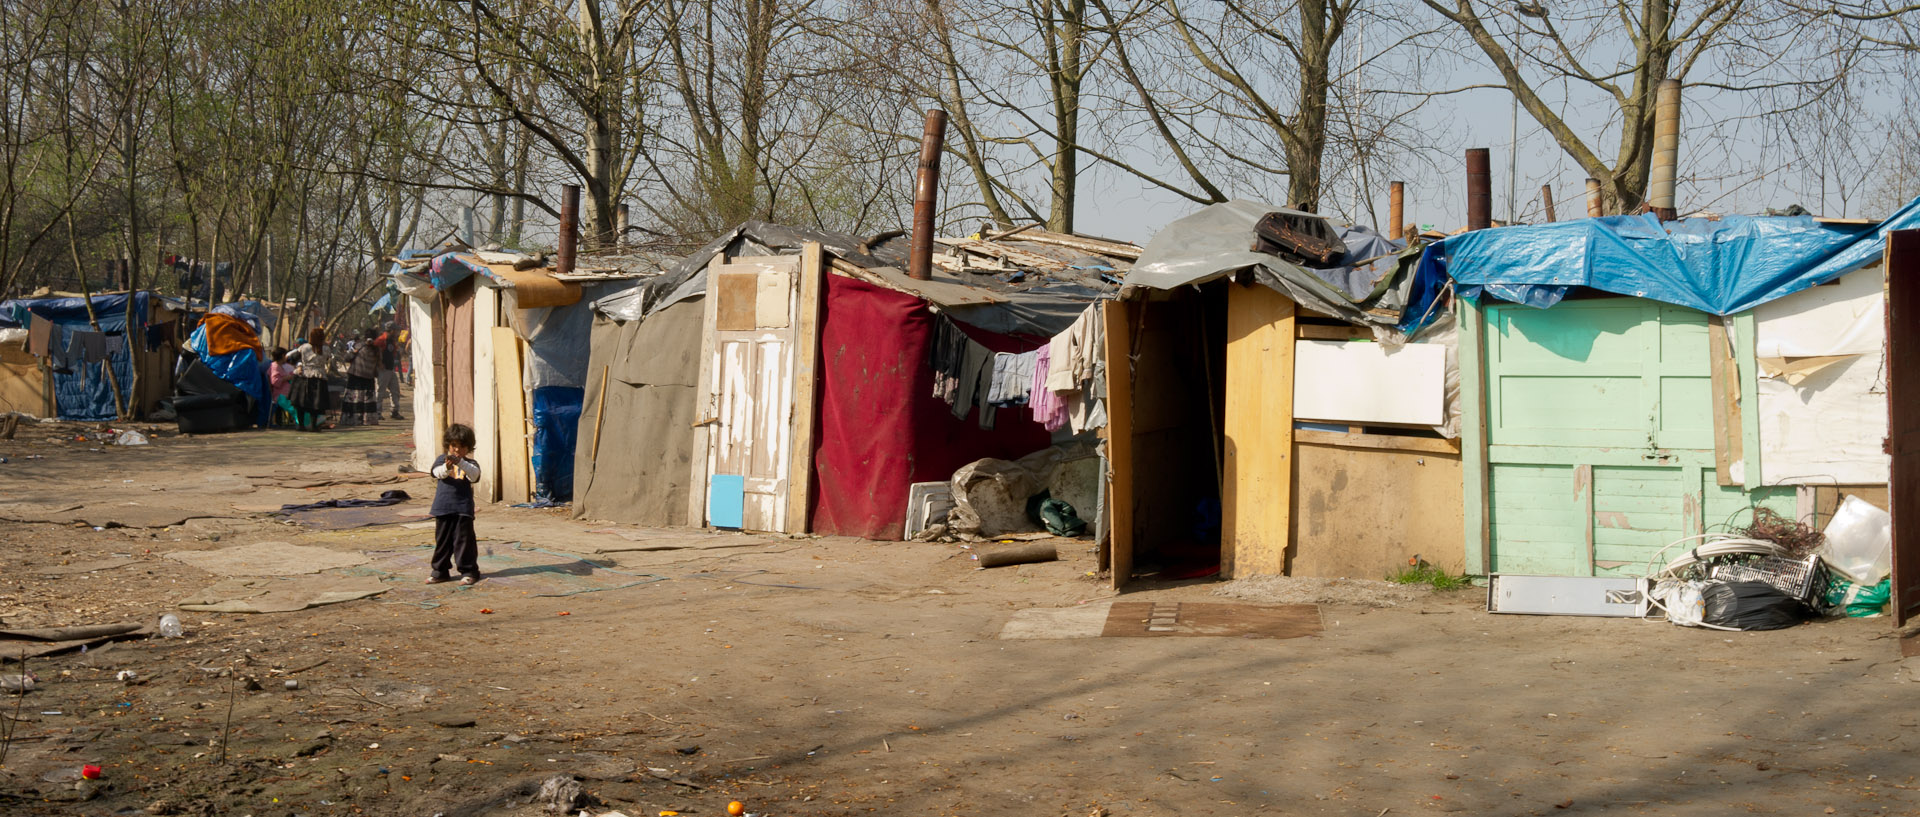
(1119, 435)
(1902, 271)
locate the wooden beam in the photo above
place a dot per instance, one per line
(1473, 436)
(1748, 372)
(1583, 491)
(1315, 331)
(806, 374)
(1256, 503)
(1727, 427)
(703, 408)
(1388, 442)
(516, 470)
(1119, 441)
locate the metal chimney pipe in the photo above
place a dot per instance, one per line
(1396, 210)
(1479, 189)
(1546, 197)
(569, 227)
(620, 225)
(925, 195)
(1666, 149)
(1595, 207)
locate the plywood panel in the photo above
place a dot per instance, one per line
(486, 421)
(806, 379)
(1364, 512)
(773, 299)
(1364, 382)
(516, 470)
(1255, 520)
(23, 384)
(427, 418)
(1903, 422)
(738, 296)
(1119, 442)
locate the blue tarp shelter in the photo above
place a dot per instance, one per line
(81, 357)
(1721, 267)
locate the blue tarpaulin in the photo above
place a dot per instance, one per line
(241, 368)
(556, 428)
(1721, 267)
(80, 389)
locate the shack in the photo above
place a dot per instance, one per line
(91, 362)
(500, 344)
(1631, 382)
(782, 379)
(1275, 416)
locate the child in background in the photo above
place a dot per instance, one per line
(280, 385)
(454, 545)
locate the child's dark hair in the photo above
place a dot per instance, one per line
(279, 354)
(459, 434)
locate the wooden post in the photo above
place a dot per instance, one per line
(1256, 502)
(1546, 198)
(1473, 436)
(806, 377)
(703, 408)
(1119, 441)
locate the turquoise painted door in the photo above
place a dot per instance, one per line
(1600, 436)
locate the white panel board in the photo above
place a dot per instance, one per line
(1827, 429)
(426, 411)
(486, 425)
(1362, 382)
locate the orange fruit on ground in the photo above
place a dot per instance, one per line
(736, 808)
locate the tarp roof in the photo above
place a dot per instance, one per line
(1005, 302)
(1723, 267)
(1367, 286)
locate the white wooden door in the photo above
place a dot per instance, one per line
(752, 310)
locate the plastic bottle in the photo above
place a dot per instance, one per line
(170, 626)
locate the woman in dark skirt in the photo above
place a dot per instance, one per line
(309, 394)
(358, 406)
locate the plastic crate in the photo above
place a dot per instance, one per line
(1804, 578)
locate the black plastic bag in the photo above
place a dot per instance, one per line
(1751, 606)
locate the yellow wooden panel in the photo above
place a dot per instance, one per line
(516, 470)
(806, 351)
(1256, 501)
(1363, 513)
(486, 419)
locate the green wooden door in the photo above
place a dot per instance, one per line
(1600, 436)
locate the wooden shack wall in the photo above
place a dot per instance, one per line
(1365, 512)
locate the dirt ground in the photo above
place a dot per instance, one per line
(680, 670)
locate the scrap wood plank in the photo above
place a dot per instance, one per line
(945, 293)
(1114, 314)
(1727, 427)
(806, 369)
(1030, 260)
(515, 467)
(1095, 246)
(704, 410)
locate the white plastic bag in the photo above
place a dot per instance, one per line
(1684, 601)
(1859, 542)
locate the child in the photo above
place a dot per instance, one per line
(453, 542)
(280, 378)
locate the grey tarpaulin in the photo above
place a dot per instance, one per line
(1215, 242)
(1040, 310)
(633, 462)
(557, 337)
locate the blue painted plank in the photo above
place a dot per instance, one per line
(726, 500)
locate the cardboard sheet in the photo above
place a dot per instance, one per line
(1361, 382)
(1823, 401)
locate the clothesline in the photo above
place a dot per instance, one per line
(1062, 383)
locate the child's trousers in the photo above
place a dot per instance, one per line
(454, 546)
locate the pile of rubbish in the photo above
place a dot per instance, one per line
(1776, 572)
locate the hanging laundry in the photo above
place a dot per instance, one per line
(1012, 379)
(1048, 409)
(945, 355)
(116, 348)
(975, 372)
(39, 337)
(87, 345)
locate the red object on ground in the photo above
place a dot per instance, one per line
(90, 772)
(880, 426)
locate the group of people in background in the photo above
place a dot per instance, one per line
(298, 378)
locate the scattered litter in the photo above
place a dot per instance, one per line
(130, 437)
(18, 684)
(170, 626)
(90, 772)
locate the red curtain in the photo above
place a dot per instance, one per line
(880, 427)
